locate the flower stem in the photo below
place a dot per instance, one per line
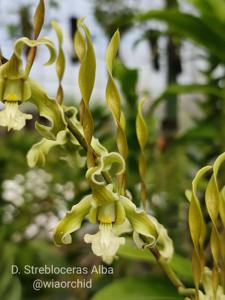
(175, 280)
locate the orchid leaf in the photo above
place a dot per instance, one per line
(196, 29)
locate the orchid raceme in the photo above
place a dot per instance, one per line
(115, 214)
(109, 205)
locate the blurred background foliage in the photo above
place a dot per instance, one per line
(33, 200)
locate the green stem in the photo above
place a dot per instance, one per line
(172, 276)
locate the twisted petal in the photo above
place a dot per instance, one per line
(103, 194)
(72, 221)
(36, 155)
(143, 225)
(12, 117)
(105, 164)
(12, 69)
(105, 243)
(49, 109)
(164, 242)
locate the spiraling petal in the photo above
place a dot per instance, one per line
(142, 223)
(164, 242)
(37, 154)
(72, 221)
(103, 194)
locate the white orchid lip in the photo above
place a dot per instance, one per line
(11, 117)
(105, 243)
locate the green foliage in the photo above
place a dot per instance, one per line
(197, 29)
(138, 288)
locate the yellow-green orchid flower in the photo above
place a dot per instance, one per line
(15, 86)
(115, 214)
(57, 134)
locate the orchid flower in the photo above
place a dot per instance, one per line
(115, 214)
(15, 85)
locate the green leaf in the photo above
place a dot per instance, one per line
(192, 27)
(211, 7)
(8, 283)
(141, 288)
(178, 89)
(15, 290)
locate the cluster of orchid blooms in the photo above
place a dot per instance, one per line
(115, 213)
(110, 204)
